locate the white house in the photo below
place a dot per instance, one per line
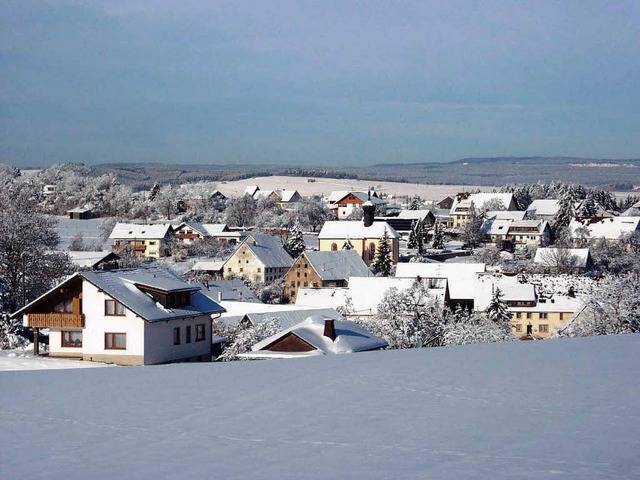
(138, 316)
(317, 335)
(464, 202)
(607, 228)
(145, 240)
(543, 209)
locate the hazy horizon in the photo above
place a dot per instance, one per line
(316, 83)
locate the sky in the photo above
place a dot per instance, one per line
(316, 83)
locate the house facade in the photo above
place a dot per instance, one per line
(322, 270)
(259, 258)
(139, 316)
(342, 204)
(464, 203)
(147, 241)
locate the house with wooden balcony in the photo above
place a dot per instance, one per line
(189, 232)
(138, 316)
(147, 241)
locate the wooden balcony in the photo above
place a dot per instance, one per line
(56, 320)
(189, 236)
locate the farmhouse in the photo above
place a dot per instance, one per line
(259, 258)
(145, 240)
(342, 203)
(323, 269)
(137, 316)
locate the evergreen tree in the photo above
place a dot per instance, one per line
(416, 236)
(589, 207)
(383, 261)
(498, 311)
(295, 243)
(347, 245)
(438, 237)
(415, 203)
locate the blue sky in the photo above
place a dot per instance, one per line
(316, 83)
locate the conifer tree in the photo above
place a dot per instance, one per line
(438, 237)
(295, 243)
(498, 311)
(383, 262)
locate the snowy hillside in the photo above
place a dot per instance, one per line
(553, 409)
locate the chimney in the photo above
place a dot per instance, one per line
(329, 328)
(369, 212)
(220, 296)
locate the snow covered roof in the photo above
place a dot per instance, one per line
(365, 293)
(610, 228)
(355, 230)
(269, 250)
(633, 211)
(548, 256)
(336, 197)
(89, 259)
(205, 229)
(513, 215)
(251, 190)
(350, 338)
(135, 231)
(545, 207)
(286, 315)
(414, 214)
(79, 210)
(209, 265)
(480, 199)
(122, 285)
(288, 195)
(338, 265)
(266, 194)
(460, 276)
(510, 287)
(493, 226)
(230, 290)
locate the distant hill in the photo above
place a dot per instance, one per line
(494, 171)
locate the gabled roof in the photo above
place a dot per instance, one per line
(289, 195)
(90, 259)
(414, 214)
(350, 338)
(547, 256)
(204, 229)
(355, 230)
(251, 190)
(269, 250)
(511, 289)
(266, 194)
(337, 197)
(461, 276)
(633, 211)
(230, 290)
(135, 231)
(513, 215)
(257, 313)
(545, 207)
(609, 228)
(122, 285)
(338, 265)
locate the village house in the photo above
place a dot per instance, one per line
(259, 258)
(323, 269)
(543, 209)
(509, 234)
(145, 240)
(94, 260)
(362, 236)
(188, 232)
(553, 260)
(80, 213)
(139, 316)
(317, 335)
(465, 202)
(611, 229)
(403, 223)
(288, 198)
(249, 314)
(342, 203)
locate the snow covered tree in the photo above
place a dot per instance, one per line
(438, 237)
(588, 208)
(415, 203)
(383, 260)
(240, 211)
(311, 213)
(472, 327)
(295, 245)
(416, 236)
(240, 339)
(471, 233)
(498, 311)
(356, 214)
(347, 245)
(566, 211)
(411, 318)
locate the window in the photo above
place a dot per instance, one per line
(528, 315)
(259, 270)
(518, 315)
(200, 332)
(113, 308)
(561, 316)
(152, 243)
(115, 341)
(187, 337)
(65, 306)
(176, 336)
(293, 283)
(241, 269)
(543, 328)
(71, 339)
(543, 316)
(518, 327)
(372, 250)
(334, 247)
(229, 270)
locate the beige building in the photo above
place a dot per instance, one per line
(361, 238)
(465, 202)
(145, 240)
(260, 258)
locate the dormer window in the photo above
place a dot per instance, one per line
(168, 298)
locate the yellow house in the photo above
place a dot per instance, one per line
(544, 318)
(464, 202)
(147, 241)
(363, 238)
(260, 258)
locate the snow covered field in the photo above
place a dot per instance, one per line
(90, 230)
(25, 360)
(550, 409)
(327, 185)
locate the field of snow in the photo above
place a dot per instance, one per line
(90, 229)
(25, 360)
(537, 410)
(327, 185)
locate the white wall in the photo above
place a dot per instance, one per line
(55, 343)
(97, 324)
(158, 340)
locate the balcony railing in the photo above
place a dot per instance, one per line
(56, 320)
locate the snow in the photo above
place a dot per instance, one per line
(563, 409)
(25, 360)
(90, 229)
